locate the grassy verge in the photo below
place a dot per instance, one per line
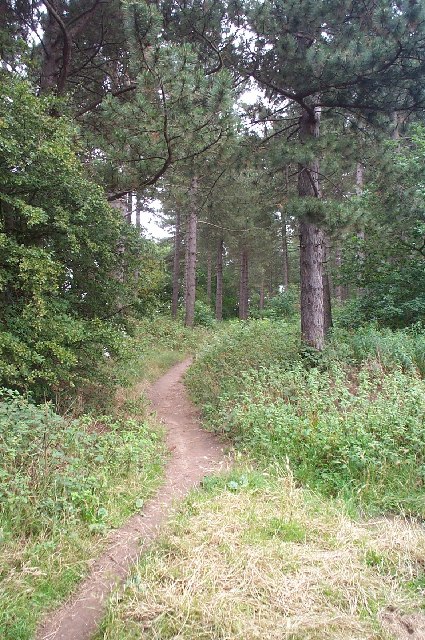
(66, 482)
(253, 556)
(313, 543)
(350, 423)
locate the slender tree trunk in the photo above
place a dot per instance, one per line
(52, 54)
(339, 289)
(246, 287)
(128, 207)
(241, 280)
(311, 244)
(285, 256)
(176, 267)
(243, 286)
(191, 254)
(209, 275)
(219, 285)
(327, 306)
(262, 293)
(59, 36)
(360, 231)
(138, 212)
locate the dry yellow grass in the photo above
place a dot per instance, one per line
(270, 561)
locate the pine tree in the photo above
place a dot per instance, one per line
(323, 56)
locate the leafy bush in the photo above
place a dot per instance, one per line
(391, 349)
(353, 427)
(55, 471)
(65, 288)
(204, 315)
(237, 347)
(283, 305)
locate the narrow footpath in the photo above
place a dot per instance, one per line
(194, 454)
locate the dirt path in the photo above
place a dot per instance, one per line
(194, 454)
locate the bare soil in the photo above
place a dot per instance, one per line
(404, 626)
(194, 454)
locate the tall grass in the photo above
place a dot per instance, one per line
(351, 426)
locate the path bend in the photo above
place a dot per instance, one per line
(194, 454)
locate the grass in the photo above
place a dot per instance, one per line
(58, 501)
(60, 522)
(350, 422)
(289, 555)
(253, 556)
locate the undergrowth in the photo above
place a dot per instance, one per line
(253, 556)
(151, 347)
(350, 424)
(65, 481)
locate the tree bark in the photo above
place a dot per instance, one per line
(285, 256)
(327, 306)
(311, 244)
(243, 286)
(52, 55)
(360, 231)
(209, 276)
(58, 41)
(339, 288)
(176, 267)
(191, 254)
(261, 305)
(219, 282)
(138, 211)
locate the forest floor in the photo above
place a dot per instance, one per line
(194, 453)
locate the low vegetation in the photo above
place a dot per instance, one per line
(311, 536)
(251, 556)
(66, 481)
(350, 422)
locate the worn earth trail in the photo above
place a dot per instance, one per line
(194, 454)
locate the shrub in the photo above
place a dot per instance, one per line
(204, 315)
(236, 347)
(391, 349)
(54, 470)
(283, 305)
(352, 426)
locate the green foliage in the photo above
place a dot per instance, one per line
(65, 283)
(56, 471)
(204, 315)
(392, 350)
(351, 426)
(187, 110)
(389, 264)
(238, 347)
(284, 305)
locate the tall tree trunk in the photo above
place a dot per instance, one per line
(138, 212)
(285, 256)
(360, 230)
(311, 244)
(219, 282)
(128, 207)
(176, 267)
(52, 54)
(262, 293)
(209, 275)
(243, 286)
(59, 36)
(241, 292)
(191, 254)
(327, 306)
(339, 288)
